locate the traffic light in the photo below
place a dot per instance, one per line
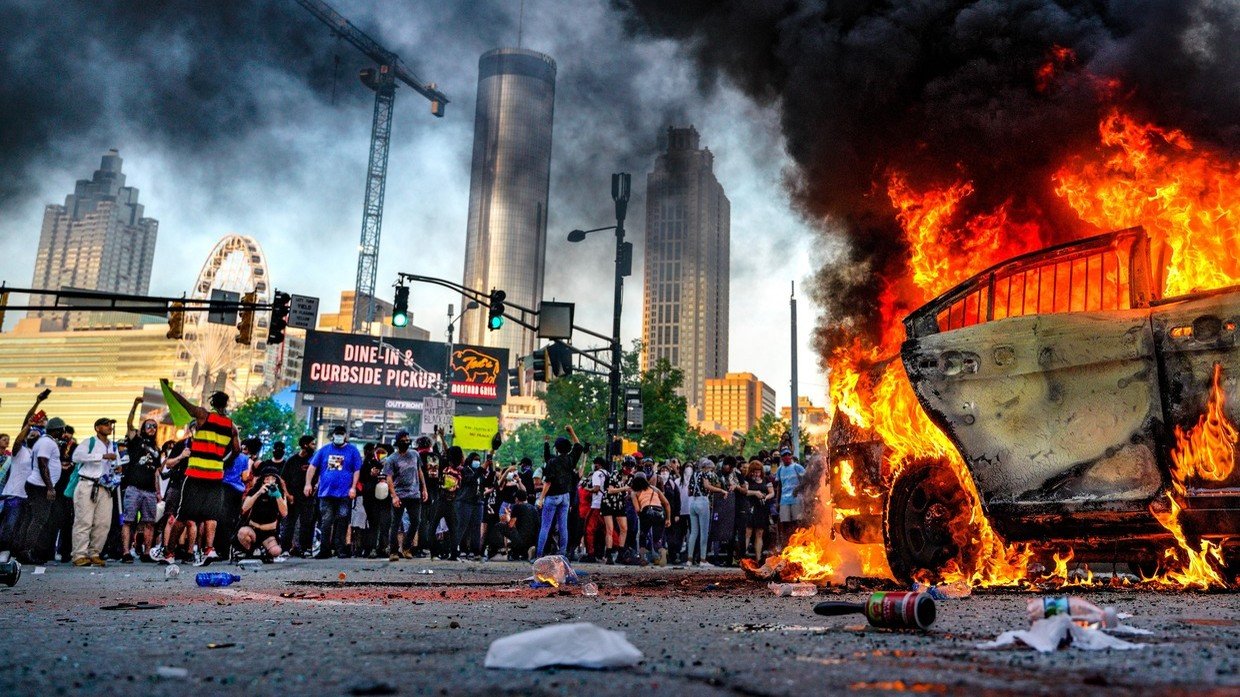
(176, 319)
(400, 307)
(279, 317)
(538, 363)
(514, 380)
(245, 328)
(495, 310)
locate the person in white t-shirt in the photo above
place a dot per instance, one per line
(96, 458)
(21, 462)
(594, 520)
(41, 488)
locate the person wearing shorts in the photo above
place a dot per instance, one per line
(262, 509)
(140, 496)
(791, 510)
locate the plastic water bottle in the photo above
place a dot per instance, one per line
(795, 590)
(216, 578)
(171, 571)
(1082, 611)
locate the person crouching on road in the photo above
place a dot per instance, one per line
(264, 506)
(96, 460)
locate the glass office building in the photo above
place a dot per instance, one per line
(506, 239)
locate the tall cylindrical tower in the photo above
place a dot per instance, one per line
(506, 239)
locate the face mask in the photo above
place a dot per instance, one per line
(338, 440)
(663, 477)
(475, 464)
(402, 446)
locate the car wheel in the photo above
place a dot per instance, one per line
(926, 522)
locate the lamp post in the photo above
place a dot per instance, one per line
(447, 377)
(620, 187)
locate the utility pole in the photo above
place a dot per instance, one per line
(620, 183)
(796, 406)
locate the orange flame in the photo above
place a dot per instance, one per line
(1185, 196)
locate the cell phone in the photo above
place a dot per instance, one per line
(45, 393)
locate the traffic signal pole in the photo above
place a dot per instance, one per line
(620, 195)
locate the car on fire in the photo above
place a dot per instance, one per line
(1062, 378)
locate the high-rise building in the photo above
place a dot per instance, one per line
(736, 401)
(685, 301)
(342, 321)
(809, 415)
(506, 238)
(98, 240)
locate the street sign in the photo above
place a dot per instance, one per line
(303, 312)
(634, 415)
(228, 317)
(555, 320)
(437, 411)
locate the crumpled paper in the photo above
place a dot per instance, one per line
(1047, 635)
(579, 644)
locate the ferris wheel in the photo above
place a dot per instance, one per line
(211, 357)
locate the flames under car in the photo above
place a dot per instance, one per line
(1060, 376)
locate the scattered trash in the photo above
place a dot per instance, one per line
(10, 572)
(590, 590)
(171, 672)
(40, 570)
(579, 644)
(228, 645)
(426, 572)
(890, 609)
(249, 564)
(340, 579)
(796, 590)
(215, 578)
(1081, 611)
(171, 571)
(454, 625)
(140, 605)
(945, 591)
(554, 570)
(1049, 634)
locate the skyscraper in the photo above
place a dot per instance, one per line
(737, 400)
(685, 301)
(506, 238)
(98, 240)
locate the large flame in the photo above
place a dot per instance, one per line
(1186, 197)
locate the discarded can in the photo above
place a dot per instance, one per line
(216, 578)
(890, 609)
(10, 572)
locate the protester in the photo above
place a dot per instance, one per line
(558, 482)
(96, 460)
(520, 524)
(424, 537)
(297, 530)
(404, 478)
(760, 493)
(612, 509)
(21, 465)
(338, 466)
(140, 491)
(262, 509)
(668, 479)
(173, 471)
(652, 510)
(215, 440)
(374, 495)
(702, 483)
(41, 490)
(791, 512)
(594, 517)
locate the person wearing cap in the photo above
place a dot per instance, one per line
(297, 533)
(13, 495)
(41, 489)
(215, 440)
(559, 477)
(402, 472)
(339, 466)
(140, 497)
(788, 479)
(262, 509)
(96, 460)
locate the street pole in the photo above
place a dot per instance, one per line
(447, 364)
(796, 406)
(620, 194)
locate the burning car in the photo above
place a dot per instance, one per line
(1090, 412)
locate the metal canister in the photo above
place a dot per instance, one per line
(900, 610)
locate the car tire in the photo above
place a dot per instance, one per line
(926, 524)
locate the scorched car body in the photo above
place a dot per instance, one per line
(1060, 376)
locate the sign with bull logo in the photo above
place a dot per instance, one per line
(359, 371)
(475, 373)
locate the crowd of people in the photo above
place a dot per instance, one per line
(131, 499)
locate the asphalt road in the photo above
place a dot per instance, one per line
(298, 628)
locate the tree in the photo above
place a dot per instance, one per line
(525, 441)
(263, 415)
(580, 401)
(767, 434)
(699, 444)
(664, 411)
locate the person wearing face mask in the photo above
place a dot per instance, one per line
(297, 528)
(141, 494)
(469, 508)
(402, 470)
(338, 466)
(669, 483)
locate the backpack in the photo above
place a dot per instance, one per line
(73, 476)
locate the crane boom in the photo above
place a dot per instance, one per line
(383, 82)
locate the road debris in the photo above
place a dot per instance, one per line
(579, 644)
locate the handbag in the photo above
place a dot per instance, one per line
(653, 513)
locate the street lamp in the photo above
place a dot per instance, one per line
(447, 378)
(620, 185)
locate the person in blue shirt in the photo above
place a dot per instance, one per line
(338, 466)
(791, 511)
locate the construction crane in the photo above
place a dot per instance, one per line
(382, 79)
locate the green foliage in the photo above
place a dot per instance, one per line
(526, 441)
(666, 424)
(259, 414)
(768, 433)
(699, 444)
(580, 401)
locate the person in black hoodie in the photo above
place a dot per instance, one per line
(297, 528)
(559, 483)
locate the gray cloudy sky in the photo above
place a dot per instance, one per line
(225, 121)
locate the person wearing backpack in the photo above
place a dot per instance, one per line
(558, 483)
(93, 478)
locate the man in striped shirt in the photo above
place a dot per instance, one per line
(214, 442)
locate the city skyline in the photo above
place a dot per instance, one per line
(302, 200)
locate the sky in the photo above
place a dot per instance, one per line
(233, 119)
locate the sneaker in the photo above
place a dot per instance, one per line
(169, 558)
(97, 561)
(410, 555)
(486, 557)
(211, 555)
(393, 557)
(81, 561)
(280, 559)
(126, 559)
(707, 565)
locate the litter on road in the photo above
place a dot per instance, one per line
(579, 644)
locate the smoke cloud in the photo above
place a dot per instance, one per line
(942, 91)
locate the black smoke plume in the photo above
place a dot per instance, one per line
(943, 91)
